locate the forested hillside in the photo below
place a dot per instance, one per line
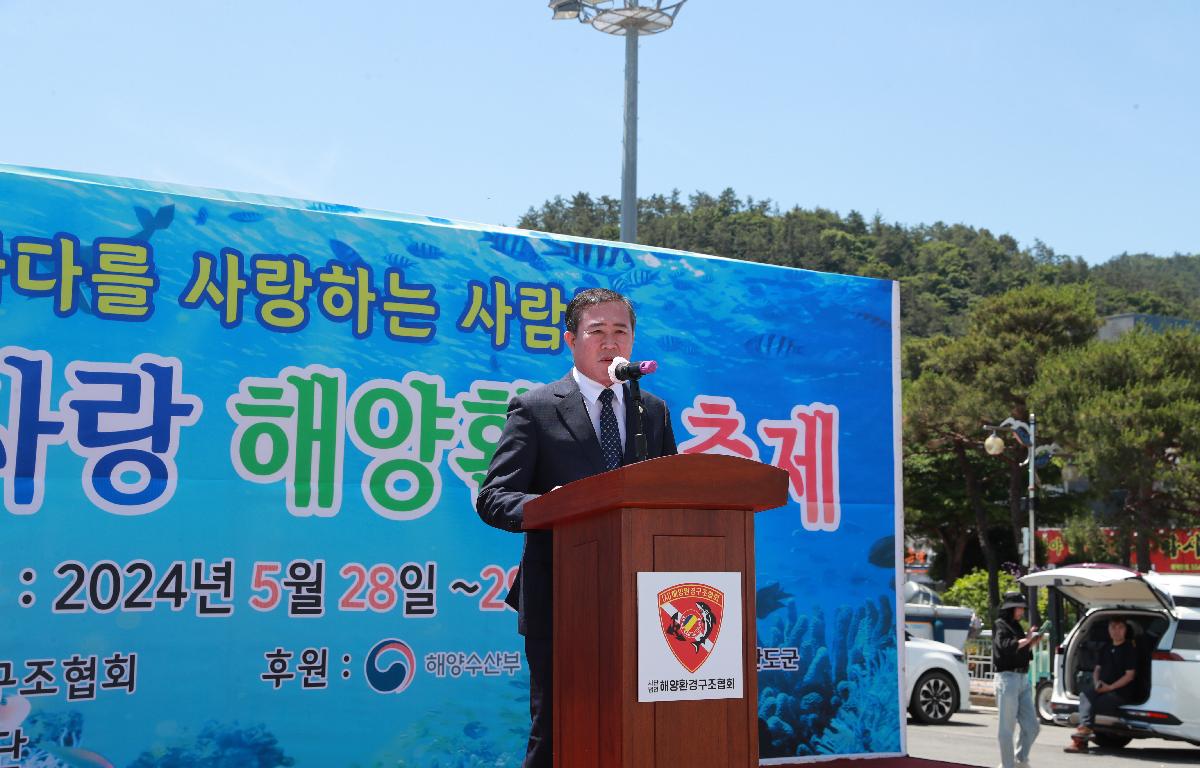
(943, 269)
(1145, 283)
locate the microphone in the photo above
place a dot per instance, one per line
(623, 370)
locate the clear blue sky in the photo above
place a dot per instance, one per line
(1072, 122)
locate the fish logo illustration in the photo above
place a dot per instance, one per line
(690, 615)
(151, 223)
(399, 673)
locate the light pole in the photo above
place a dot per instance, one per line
(631, 18)
(1026, 434)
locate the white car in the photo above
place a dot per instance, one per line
(938, 683)
(1163, 611)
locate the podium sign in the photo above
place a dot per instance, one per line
(689, 636)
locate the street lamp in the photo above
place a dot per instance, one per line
(1026, 435)
(631, 18)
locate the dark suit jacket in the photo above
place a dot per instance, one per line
(548, 440)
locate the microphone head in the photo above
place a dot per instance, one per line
(612, 368)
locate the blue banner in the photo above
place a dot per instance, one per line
(241, 438)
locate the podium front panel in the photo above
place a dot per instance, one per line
(707, 732)
(599, 722)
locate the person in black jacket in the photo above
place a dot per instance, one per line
(1112, 679)
(1011, 654)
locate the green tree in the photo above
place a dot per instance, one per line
(1010, 336)
(1129, 411)
(985, 375)
(1150, 284)
(941, 425)
(1087, 541)
(972, 591)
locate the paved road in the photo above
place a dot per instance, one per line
(970, 738)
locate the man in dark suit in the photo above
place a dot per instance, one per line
(578, 426)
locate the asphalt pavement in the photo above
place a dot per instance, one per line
(970, 738)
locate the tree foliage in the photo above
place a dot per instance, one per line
(984, 376)
(972, 591)
(1149, 284)
(1087, 541)
(943, 269)
(1129, 410)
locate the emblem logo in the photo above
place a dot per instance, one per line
(690, 615)
(398, 674)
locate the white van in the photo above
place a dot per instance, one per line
(1163, 612)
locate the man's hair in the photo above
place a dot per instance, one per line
(590, 298)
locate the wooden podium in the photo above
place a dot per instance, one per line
(691, 512)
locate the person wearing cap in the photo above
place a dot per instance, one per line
(1011, 654)
(1111, 681)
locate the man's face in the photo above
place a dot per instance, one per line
(1116, 632)
(604, 332)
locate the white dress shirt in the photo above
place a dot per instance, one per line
(591, 400)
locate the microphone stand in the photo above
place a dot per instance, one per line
(639, 438)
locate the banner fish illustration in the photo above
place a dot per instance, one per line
(153, 223)
(873, 319)
(604, 259)
(76, 757)
(247, 217)
(424, 251)
(883, 552)
(516, 247)
(346, 254)
(397, 261)
(634, 278)
(769, 599)
(679, 344)
(333, 208)
(772, 345)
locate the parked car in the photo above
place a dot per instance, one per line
(1163, 611)
(925, 615)
(938, 683)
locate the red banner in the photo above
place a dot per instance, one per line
(1174, 552)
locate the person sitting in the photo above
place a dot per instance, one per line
(1112, 683)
